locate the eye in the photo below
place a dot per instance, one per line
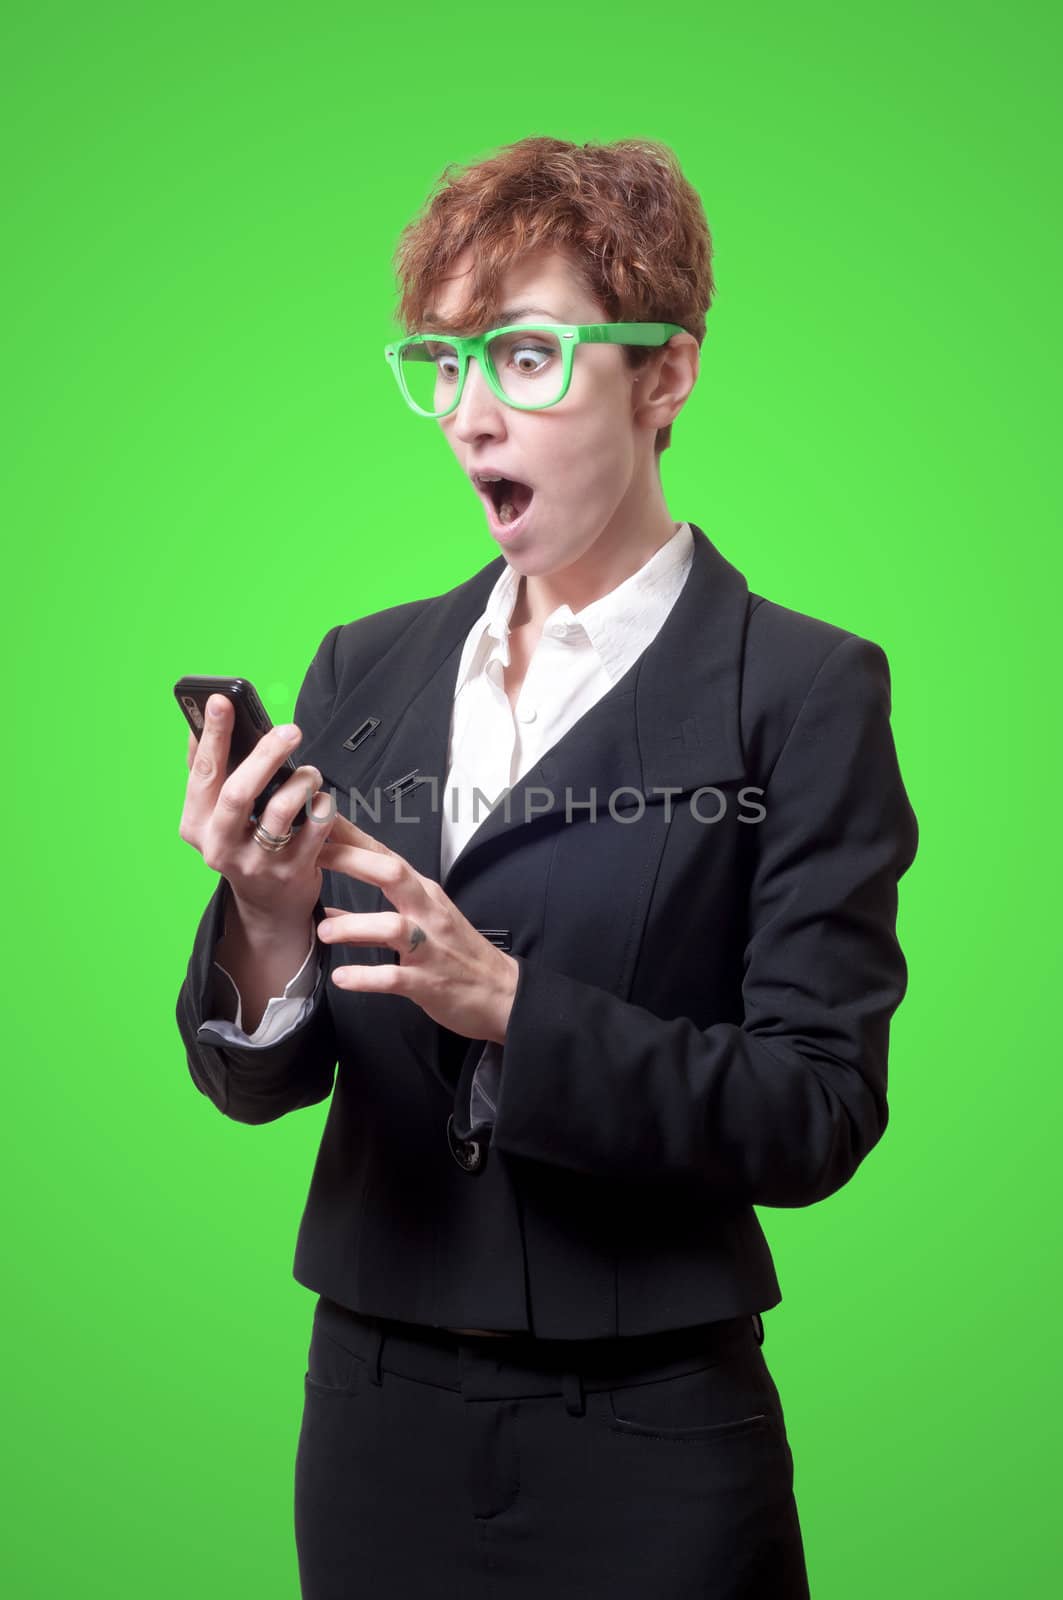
(442, 356)
(530, 358)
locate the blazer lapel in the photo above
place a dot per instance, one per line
(408, 694)
(671, 721)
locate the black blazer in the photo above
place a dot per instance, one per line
(701, 1021)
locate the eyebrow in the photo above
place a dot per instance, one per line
(511, 314)
(526, 311)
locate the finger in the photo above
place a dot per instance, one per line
(390, 977)
(193, 746)
(207, 771)
(293, 796)
(343, 831)
(390, 872)
(245, 783)
(322, 817)
(386, 929)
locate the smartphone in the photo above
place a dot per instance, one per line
(250, 722)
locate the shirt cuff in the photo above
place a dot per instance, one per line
(483, 1094)
(283, 1013)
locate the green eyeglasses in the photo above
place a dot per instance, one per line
(527, 365)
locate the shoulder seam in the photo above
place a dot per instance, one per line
(805, 699)
(399, 636)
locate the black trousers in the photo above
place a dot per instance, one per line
(432, 1466)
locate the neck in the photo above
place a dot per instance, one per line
(635, 532)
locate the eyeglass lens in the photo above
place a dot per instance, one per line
(527, 365)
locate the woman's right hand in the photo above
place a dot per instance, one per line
(275, 888)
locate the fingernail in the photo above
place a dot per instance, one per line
(289, 732)
(214, 706)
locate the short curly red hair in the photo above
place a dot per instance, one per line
(624, 214)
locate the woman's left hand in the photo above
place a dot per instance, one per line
(445, 965)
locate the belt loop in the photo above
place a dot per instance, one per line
(373, 1354)
(572, 1389)
(758, 1326)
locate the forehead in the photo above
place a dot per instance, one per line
(544, 284)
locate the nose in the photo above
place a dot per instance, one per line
(479, 410)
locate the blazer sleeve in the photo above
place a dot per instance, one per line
(258, 1083)
(781, 1109)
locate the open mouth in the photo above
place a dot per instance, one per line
(508, 497)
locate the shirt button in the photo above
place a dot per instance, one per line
(526, 713)
(468, 1153)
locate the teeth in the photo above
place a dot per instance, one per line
(506, 510)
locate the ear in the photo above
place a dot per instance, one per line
(668, 380)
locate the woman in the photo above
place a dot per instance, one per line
(581, 1036)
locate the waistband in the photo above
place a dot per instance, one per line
(527, 1366)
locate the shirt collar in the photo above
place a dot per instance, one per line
(618, 624)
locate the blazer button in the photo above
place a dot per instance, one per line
(468, 1153)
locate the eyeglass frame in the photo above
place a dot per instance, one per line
(571, 334)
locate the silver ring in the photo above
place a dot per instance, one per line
(271, 841)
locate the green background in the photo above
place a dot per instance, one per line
(206, 465)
